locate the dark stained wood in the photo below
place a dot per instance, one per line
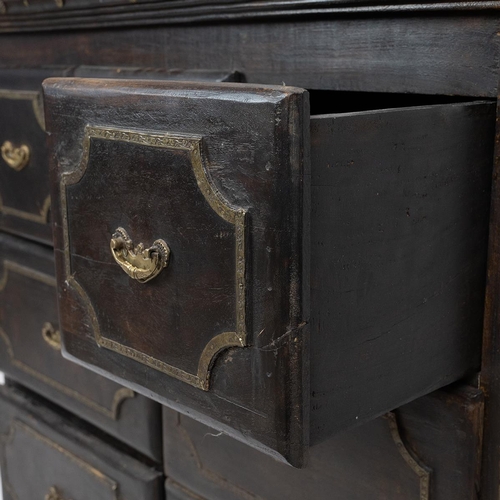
(253, 142)
(41, 450)
(27, 303)
(445, 430)
(441, 432)
(46, 15)
(490, 374)
(451, 54)
(399, 228)
(176, 491)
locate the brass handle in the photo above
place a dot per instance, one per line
(16, 158)
(142, 264)
(53, 494)
(51, 336)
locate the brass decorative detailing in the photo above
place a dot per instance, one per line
(16, 158)
(235, 216)
(120, 395)
(141, 264)
(27, 95)
(59, 3)
(18, 426)
(53, 494)
(422, 471)
(41, 218)
(51, 336)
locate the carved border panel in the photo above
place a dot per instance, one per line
(235, 216)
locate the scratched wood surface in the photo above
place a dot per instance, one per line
(433, 54)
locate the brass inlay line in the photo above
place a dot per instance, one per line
(120, 395)
(53, 494)
(423, 472)
(27, 95)
(235, 216)
(42, 218)
(79, 462)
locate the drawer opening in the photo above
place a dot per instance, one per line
(332, 102)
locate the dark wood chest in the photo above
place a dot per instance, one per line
(249, 249)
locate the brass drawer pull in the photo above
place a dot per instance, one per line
(16, 158)
(51, 336)
(142, 264)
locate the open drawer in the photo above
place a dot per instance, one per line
(278, 277)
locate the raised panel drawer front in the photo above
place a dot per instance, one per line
(45, 456)
(30, 352)
(184, 235)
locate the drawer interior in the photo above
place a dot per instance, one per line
(399, 229)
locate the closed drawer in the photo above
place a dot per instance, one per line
(30, 352)
(276, 276)
(429, 449)
(45, 456)
(24, 180)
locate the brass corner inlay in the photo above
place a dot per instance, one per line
(34, 96)
(119, 396)
(422, 471)
(235, 216)
(51, 336)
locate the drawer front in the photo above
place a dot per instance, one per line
(178, 210)
(24, 183)
(31, 352)
(43, 456)
(427, 450)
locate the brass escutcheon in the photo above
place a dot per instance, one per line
(141, 264)
(16, 158)
(53, 494)
(51, 336)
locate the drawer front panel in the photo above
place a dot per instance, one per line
(203, 277)
(43, 456)
(29, 330)
(74, 477)
(24, 183)
(179, 245)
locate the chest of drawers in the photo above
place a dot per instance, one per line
(282, 259)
